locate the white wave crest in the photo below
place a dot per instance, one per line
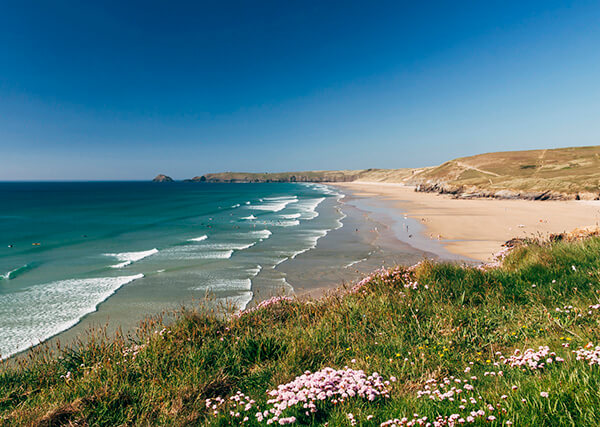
(226, 285)
(16, 272)
(254, 271)
(308, 208)
(249, 217)
(198, 239)
(238, 291)
(283, 223)
(290, 216)
(340, 224)
(131, 257)
(275, 204)
(212, 255)
(355, 262)
(228, 246)
(261, 234)
(311, 237)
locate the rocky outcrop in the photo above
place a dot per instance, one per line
(472, 192)
(577, 234)
(162, 178)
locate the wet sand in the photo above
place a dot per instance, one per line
(365, 243)
(477, 228)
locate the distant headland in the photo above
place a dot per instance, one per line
(552, 174)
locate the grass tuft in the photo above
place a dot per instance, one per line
(420, 333)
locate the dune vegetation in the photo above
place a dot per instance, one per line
(513, 342)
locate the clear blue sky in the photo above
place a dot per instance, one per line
(126, 90)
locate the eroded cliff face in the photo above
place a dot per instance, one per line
(468, 192)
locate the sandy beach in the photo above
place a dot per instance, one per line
(477, 228)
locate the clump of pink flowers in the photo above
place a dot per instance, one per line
(133, 350)
(532, 359)
(589, 353)
(448, 388)
(264, 304)
(239, 406)
(214, 404)
(396, 274)
(497, 258)
(306, 392)
(440, 420)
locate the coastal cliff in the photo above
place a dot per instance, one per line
(307, 176)
(557, 174)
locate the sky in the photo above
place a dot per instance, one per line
(126, 90)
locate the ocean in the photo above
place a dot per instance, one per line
(67, 247)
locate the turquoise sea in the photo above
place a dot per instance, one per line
(67, 247)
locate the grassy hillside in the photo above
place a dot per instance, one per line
(437, 341)
(556, 173)
(565, 170)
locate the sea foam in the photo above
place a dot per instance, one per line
(191, 252)
(274, 204)
(261, 234)
(283, 222)
(308, 208)
(227, 246)
(64, 303)
(238, 291)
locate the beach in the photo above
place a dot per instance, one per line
(365, 242)
(477, 228)
(345, 236)
(188, 244)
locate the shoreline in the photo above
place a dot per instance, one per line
(386, 224)
(343, 256)
(373, 235)
(368, 242)
(477, 228)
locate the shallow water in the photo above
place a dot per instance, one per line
(74, 245)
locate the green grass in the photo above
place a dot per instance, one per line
(457, 317)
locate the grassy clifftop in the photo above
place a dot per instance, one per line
(306, 176)
(564, 170)
(562, 173)
(493, 346)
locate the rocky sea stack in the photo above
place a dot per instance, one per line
(162, 178)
